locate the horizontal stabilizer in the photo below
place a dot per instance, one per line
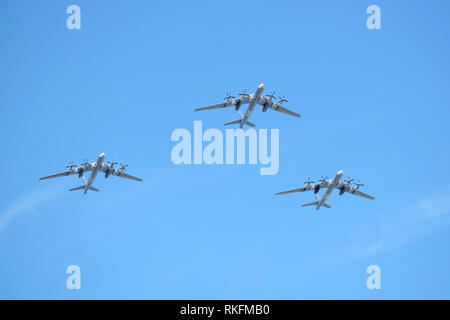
(83, 187)
(232, 122)
(315, 203)
(77, 188)
(248, 123)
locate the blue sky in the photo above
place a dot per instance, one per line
(375, 103)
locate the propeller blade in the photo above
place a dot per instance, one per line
(359, 184)
(229, 96)
(243, 93)
(71, 165)
(309, 181)
(271, 96)
(282, 99)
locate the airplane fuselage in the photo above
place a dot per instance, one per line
(330, 188)
(98, 165)
(253, 101)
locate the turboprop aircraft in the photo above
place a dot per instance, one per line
(251, 99)
(329, 185)
(94, 168)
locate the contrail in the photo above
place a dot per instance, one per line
(427, 215)
(394, 230)
(26, 203)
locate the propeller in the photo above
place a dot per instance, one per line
(228, 97)
(85, 162)
(282, 99)
(112, 163)
(243, 93)
(123, 166)
(348, 181)
(271, 96)
(322, 179)
(110, 169)
(359, 184)
(308, 182)
(70, 166)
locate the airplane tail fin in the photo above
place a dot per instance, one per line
(248, 123)
(93, 189)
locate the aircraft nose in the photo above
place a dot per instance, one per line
(261, 86)
(340, 172)
(102, 155)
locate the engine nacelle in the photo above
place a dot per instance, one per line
(80, 173)
(316, 189)
(265, 107)
(341, 191)
(238, 106)
(107, 173)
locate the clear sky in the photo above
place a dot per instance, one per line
(375, 103)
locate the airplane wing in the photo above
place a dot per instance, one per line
(354, 191)
(215, 106)
(360, 193)
(287, 111)
(61, 174)
(294, 190)
(262, 101)
(322, 184)
(105, 168)
(219, 105)
(119, 173)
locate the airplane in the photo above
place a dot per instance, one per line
(329, 185)
(252, 99)
(95, 168)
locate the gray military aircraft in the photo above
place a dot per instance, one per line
(95, 168)
(253, 99)
(329, 185)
